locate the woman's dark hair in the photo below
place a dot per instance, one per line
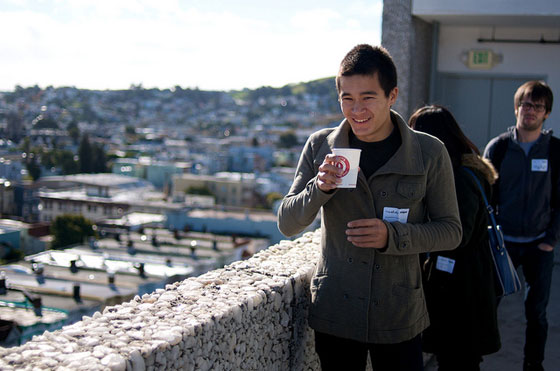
(439, 122)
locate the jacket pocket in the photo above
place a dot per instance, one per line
(402, 309)
(407, 292)
(411, 191)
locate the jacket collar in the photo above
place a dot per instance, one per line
(545, 135)
(408, 158)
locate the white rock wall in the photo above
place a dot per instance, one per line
(250, 315)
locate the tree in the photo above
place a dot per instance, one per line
(130, 130)
(33, 169)
(42, 122)
(288, 140)
(66, 161)
(70, 229)
(99, 159)
(73, 132)
(85, 155)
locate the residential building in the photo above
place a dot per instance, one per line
(26, 200)
(158, 173)
(95, 196)
(9, 242)
(250, 159)
(11, 167)
(229, 189)
(7, 197)
(29, 235)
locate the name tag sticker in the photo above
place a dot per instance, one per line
(539, 165)
(445, 264)
(393, 214)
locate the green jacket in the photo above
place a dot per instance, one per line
(373, 295)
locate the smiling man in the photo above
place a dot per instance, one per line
(366, 294)
(526, 198)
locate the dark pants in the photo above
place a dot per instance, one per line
(343, 354)
(537, 268)
(458, 362)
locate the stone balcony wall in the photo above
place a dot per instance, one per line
(249, 315)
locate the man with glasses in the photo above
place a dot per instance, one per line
(526, 197)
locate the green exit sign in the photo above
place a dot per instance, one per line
(480, 59)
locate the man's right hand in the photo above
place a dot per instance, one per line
(327, 179)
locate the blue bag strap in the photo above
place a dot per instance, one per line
(489, 207)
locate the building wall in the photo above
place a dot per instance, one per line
(485, 7)
(160, 175)
(230, 192)
(51, 208)
(7, 198)
(231, 225)
(26, 202)
(9, 239)
(429, 41)
(409, 41)
(10, 169)
(518, 59)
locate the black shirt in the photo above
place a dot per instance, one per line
(376, 154)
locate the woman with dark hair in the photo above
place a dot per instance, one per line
(459, 284)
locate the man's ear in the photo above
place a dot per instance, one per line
(393, 95)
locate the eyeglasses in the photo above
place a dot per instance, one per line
(526, 106)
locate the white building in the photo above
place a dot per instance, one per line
(95, 196)
(231, 189)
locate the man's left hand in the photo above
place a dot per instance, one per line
(545, 247)
(369, 233)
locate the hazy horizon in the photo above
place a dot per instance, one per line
(170, 88)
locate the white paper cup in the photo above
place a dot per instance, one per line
(348, 159)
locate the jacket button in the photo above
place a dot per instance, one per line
(383, 194)
(377, 266)
(350, 260)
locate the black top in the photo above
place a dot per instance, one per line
(376, 154)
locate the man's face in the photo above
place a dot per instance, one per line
(530, 114)
(365, 106)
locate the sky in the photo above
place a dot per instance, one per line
(205, 44)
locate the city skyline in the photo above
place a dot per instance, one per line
(193, 44)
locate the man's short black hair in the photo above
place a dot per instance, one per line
(365, 59)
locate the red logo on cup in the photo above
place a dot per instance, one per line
(342, 163)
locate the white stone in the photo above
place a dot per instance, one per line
(171, 337)
(149, 299)
(137, 361)
(73, 332)
(114, 362)
(136, 335)
(90, 341)
(168, 296)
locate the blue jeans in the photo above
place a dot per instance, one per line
(537, 268)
